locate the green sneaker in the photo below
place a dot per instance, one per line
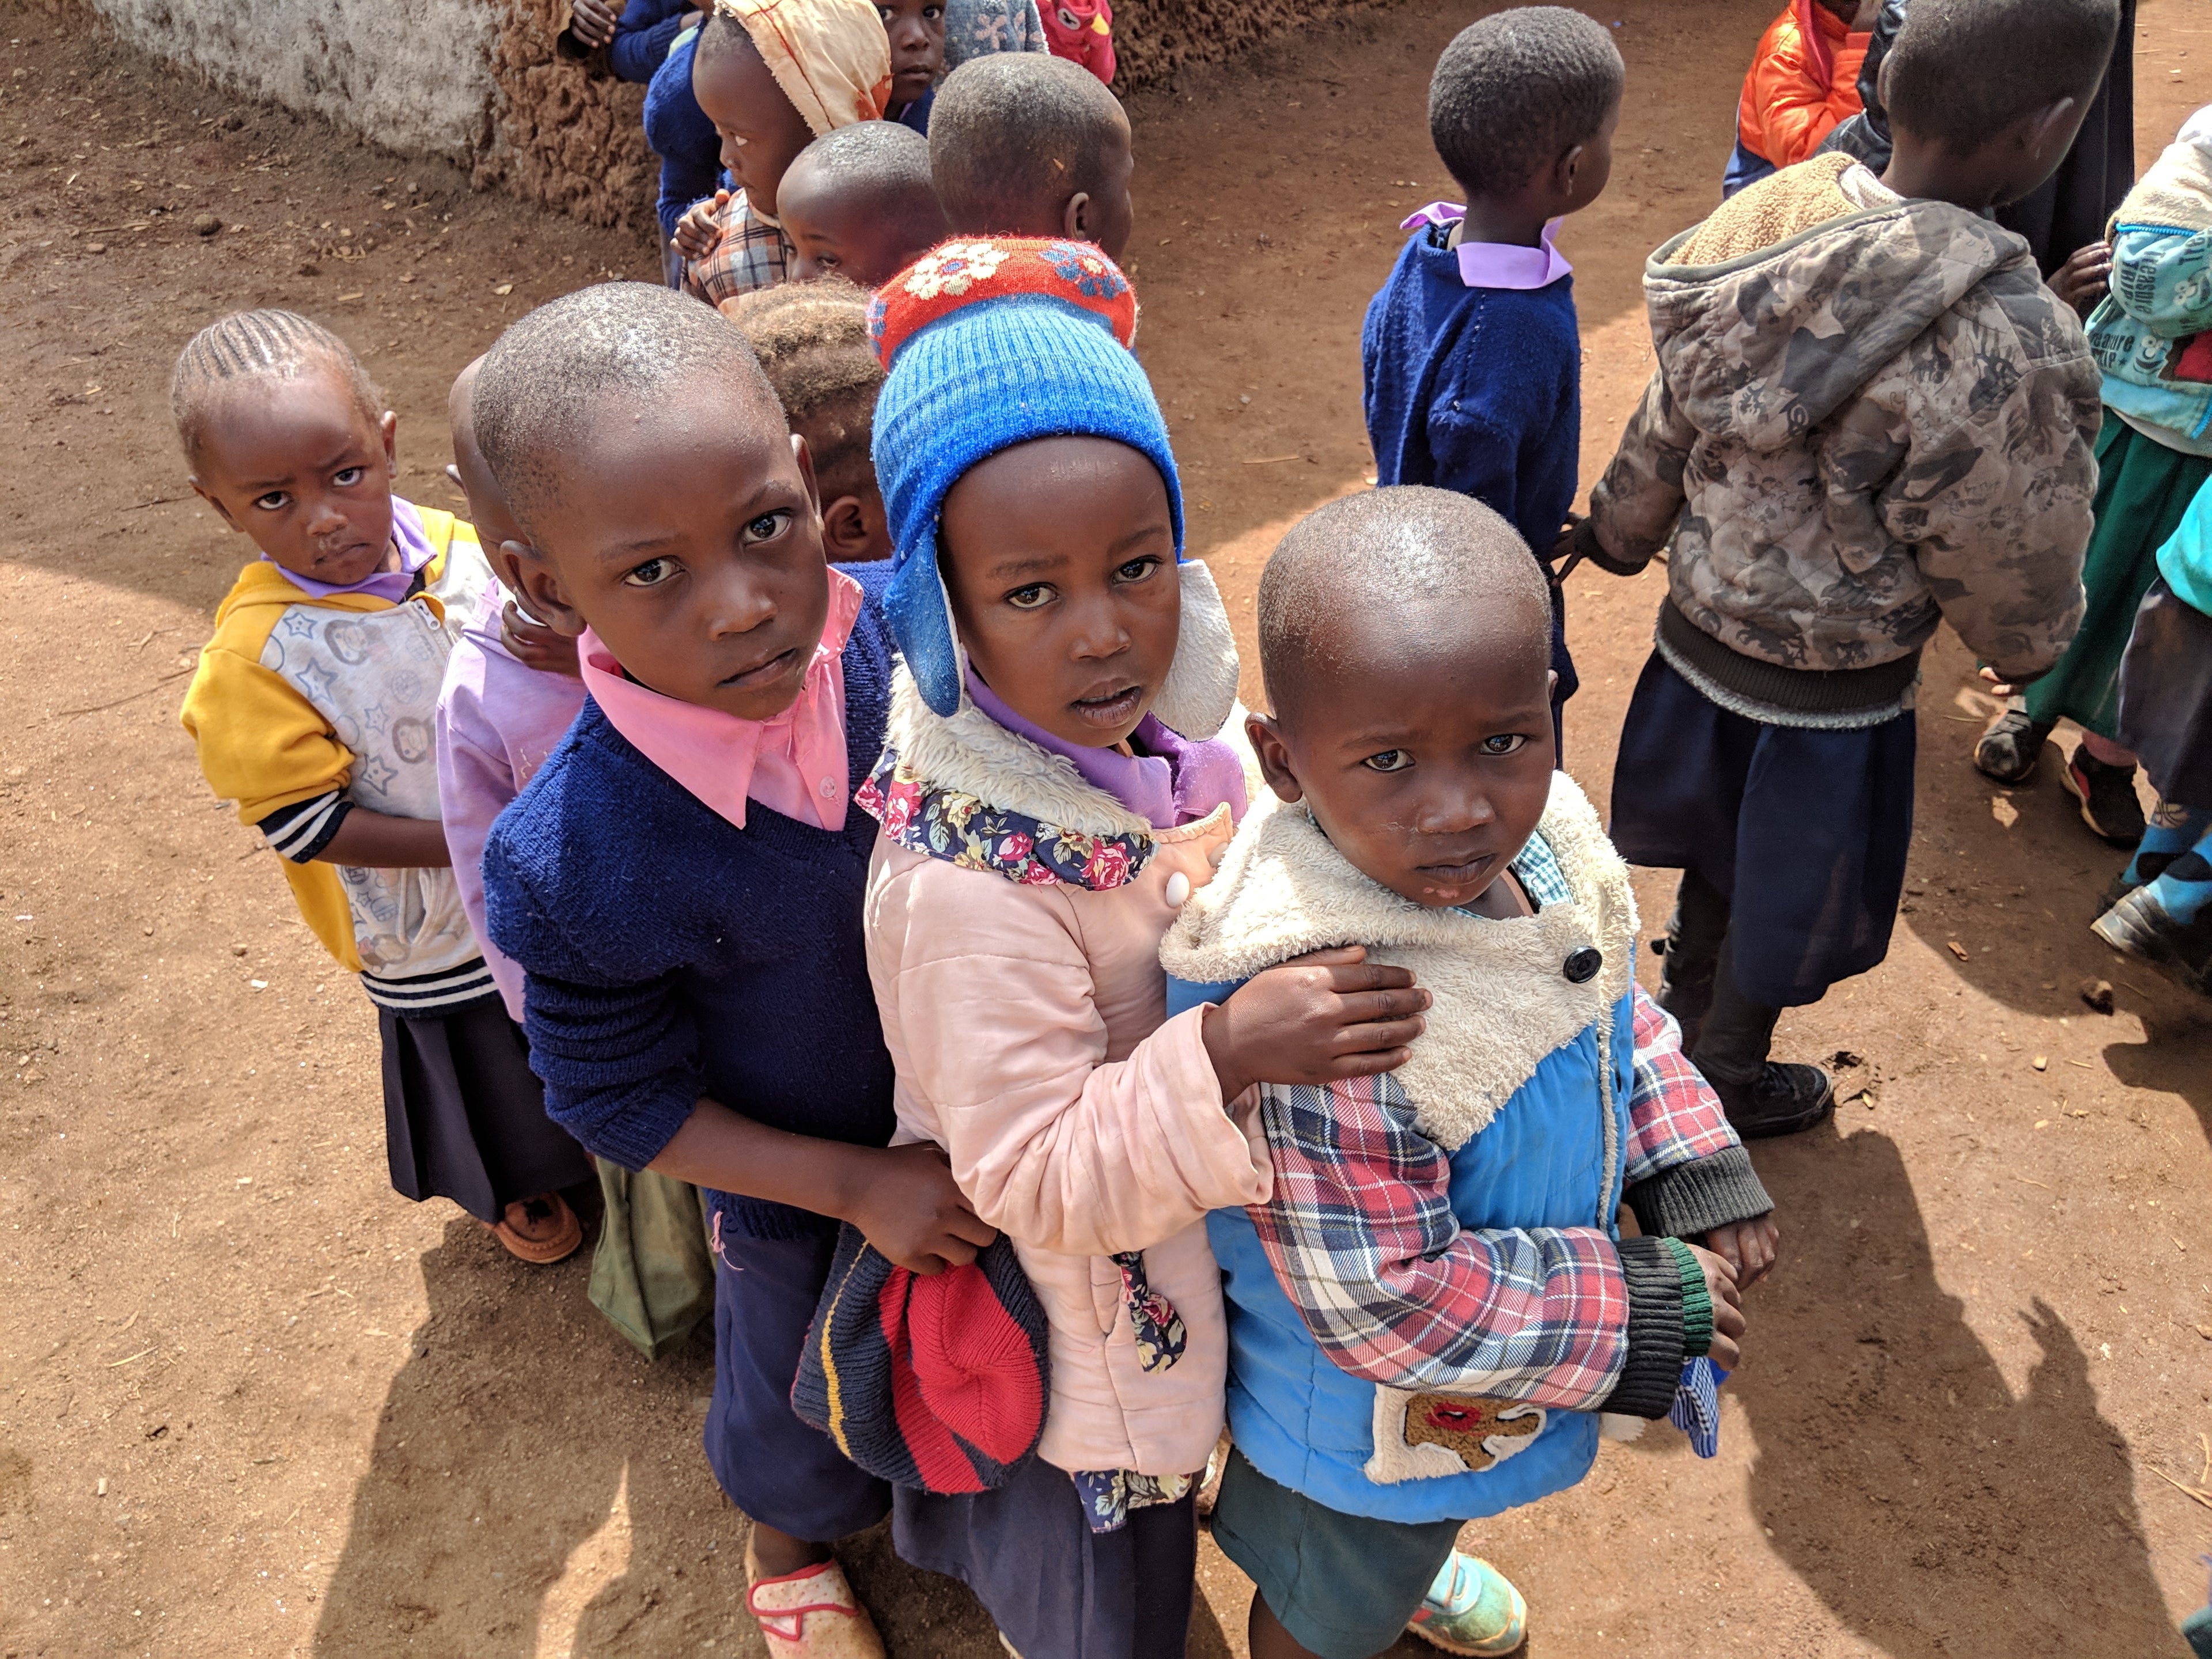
(1472, 1609)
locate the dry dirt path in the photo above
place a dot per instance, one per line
(252, 1402)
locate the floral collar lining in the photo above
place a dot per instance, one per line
(966, 831)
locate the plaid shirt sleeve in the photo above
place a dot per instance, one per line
(1684, 1172)
(1362, 1238)
(750, 253)
(1673, 1114)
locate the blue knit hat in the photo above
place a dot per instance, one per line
(991, 342)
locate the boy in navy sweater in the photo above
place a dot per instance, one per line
(1472, 356)
(682, 881)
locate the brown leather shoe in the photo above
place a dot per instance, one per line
(541, 1231)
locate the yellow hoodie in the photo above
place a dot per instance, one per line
(299, 698)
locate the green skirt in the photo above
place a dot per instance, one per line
(2142, 489)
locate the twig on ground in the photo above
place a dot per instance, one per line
(100, 708)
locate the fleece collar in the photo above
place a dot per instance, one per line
(1504, 999)
(962, 787)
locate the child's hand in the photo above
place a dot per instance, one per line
(2081, 281)
(697, 232)
(910, 1207)
(534, 644)
(592, 22)
(1749, 1248)
(1315, 1018)
(1728, 1309)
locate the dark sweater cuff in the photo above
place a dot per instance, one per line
(636, 1130)
(1654, 1369)
(1588, 544)
(1691, 1198)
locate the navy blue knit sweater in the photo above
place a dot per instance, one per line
(671, 954)
(1477, 390)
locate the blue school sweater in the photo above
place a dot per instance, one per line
(642, 36)
(671, 954)
(677, 131)
(1477, 390)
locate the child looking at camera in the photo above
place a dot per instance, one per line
(1050, 790)
(314, 708)
(772, 75)
(682, 881)
(916, 30)
(1427, 1316)
(1472, 353)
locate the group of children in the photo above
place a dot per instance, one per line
(825, 750)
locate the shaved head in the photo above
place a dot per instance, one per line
(616, 348)
(1013, 135)
(875, 167)
(1400, 575)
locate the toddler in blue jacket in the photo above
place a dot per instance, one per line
(1433, 1309)
(1472, 356)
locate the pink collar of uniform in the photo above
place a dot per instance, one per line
(1498, 264)
(794, 765)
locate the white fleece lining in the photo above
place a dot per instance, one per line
(1397, 1460)
(970, 752)
(1501, 1003)
(1199, 693)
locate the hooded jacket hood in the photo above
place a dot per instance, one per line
(1771, 341)
(1869, 416)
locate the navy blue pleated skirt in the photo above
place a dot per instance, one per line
(1806, 832)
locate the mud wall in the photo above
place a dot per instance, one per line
(478, 82)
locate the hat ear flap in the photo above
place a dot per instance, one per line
(920, 611)
(1200, 689)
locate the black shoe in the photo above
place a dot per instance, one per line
(1784, 1100)
(2009, 749)
(2108, 797)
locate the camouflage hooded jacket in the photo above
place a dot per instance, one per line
(1863, 419)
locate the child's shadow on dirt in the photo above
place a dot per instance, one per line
(2171, 1057)
(1938, 1516)
(537, 1487)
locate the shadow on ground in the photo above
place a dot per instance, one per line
(1939, 1515)
(508, 1511)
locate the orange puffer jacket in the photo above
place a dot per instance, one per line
(1803, 79)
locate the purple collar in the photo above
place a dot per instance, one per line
(1178, 781)
(1497, 264)
(392, 586)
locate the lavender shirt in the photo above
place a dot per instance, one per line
(391, 585)
(1498, 264)
(497, 721)
(1176, 781)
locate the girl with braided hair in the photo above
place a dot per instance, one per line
(314, 708)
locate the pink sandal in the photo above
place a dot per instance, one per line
(813, 1614)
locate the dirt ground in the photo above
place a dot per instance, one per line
(252, 1402)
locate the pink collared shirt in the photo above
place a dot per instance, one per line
(1498, 264)
(794, 764)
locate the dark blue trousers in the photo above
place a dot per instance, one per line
(775, 1467)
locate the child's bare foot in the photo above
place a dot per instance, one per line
(541, 1229)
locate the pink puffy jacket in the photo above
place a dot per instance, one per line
(1026, 1023)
